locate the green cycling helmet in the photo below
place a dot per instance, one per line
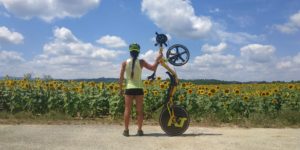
(134, 47)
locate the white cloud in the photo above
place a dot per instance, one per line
(284, 64)
(238, 37)
(296, 59)
(12, 63)
(258, 53)
(292, 26)
(64, 35)
(10, 36)
(243, 67)
(49, 9)
(10, 57)
(66, 56)
(287, 28)
(289, 63)
(256, 63)
(112, 41)
(65, 43)
(212, 66)
(150, 56)
(295, 19)
(214, 60)
(214, 49)
(177, 17)
(288, 68)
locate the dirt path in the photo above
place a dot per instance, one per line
(79, 137)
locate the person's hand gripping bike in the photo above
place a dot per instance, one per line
(174, 119)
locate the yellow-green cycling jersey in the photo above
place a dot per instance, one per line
(136, 81)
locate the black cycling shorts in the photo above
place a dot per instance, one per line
(134, 92)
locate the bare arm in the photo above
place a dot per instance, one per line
(152, 67)
(121, 79)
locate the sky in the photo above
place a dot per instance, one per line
(240, 40)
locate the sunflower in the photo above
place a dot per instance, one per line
(158, 78)
(183, 85)
(200, 92)
(145, 91)
(79, 90)
(162, 86)
(166, 83)
(213, 90)
(155, 93)
(226, 91)
(189, 91)
(209, 94)
(116, 87)
(25, 86)
(181, 98)
(92, 84)
(10, 83)
(59, 86)
(237, 91)
(246, 98)
(111, 87)
(66, 89)
(146, 82)
(200, 88)
(291, 86)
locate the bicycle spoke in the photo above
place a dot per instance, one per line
(183, 52)
(173, 58)
(181, 58)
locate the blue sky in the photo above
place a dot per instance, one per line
(241, 40)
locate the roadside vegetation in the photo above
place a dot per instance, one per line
(249, 105)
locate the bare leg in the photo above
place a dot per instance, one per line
(128, 104)
(139, 110)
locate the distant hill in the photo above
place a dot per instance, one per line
(195, 81)
(102, 79)
(214, 81)
(99, 80)
(210, 81)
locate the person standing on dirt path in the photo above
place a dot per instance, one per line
(132, 68)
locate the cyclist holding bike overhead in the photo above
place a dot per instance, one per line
(132, 69)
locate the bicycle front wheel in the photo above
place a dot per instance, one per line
(177, 125)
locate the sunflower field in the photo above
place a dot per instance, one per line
(225, 102)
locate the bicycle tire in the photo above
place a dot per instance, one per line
(180, 114)
(175, 53)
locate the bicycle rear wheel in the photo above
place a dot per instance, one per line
(176, 126)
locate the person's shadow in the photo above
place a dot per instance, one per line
(182, 135)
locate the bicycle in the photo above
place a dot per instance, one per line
(174, 119)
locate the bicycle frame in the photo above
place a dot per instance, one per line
(174, 119)
(171, 91)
